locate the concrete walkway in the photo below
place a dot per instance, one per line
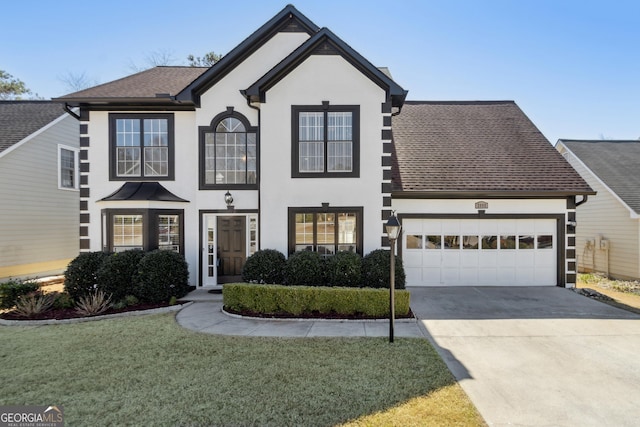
(206, 315)
(537, 356)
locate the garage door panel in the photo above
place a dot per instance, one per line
(414, 274)
(453, 252)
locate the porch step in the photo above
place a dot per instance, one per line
(213, 293)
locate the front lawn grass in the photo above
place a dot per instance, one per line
(149, 371)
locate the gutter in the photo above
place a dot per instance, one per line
(72, 113)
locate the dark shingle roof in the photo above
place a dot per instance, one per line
(616, 163)
(479, 148)
(145, 84)
(19, 119)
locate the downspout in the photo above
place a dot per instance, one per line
(584, 200)
(72, 113)
(260, 171)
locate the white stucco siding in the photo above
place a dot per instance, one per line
(39, 222)
(320, 78)
(604, 216)
(226, 92)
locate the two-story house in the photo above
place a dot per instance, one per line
(285, 143)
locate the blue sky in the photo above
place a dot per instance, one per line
(572, 66)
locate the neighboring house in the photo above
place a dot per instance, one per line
(608, 232)
(39, 189)
(286, 143)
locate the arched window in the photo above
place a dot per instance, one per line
(229, 152)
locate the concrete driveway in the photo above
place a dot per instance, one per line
(537, 356)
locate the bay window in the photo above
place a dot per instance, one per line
(144, 229)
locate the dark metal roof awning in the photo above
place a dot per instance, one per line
(149, 191)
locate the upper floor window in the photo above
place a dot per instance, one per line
(141, 147)
(326, 141)
(229, 152)
(67, 167)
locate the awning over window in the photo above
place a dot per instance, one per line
(150, 191)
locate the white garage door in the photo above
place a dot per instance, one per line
(485, 252)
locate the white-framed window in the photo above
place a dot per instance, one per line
(67, 167)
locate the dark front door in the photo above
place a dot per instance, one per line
(231, 246)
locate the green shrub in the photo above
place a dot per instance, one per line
(80, 278)
(161, 275)
(300, 300)
(344, 269)
(131, 300)
(376, 270)
(264, 266)
(62, 300)
(12, 290)
(116, 274)
(305, 268)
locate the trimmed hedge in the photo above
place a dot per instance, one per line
(304, 268)
(264, 266)
(376, 270)
(116, 274)
(161, 275)
(344, 269)
(298, 300)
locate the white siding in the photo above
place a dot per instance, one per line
(38, 221)
(604, 216)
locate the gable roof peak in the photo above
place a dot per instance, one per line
(325, 42)
(288, 19)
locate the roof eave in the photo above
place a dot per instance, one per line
(491, 194)
(120, 101)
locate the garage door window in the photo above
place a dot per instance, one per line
(489, 242)
(414, 241)
(545, 241)
(523, 242)
(507, 242)
(433, 242)
(470, 242)
(526, 242)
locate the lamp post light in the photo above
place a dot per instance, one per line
(392, 228)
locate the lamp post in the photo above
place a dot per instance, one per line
(392, 228)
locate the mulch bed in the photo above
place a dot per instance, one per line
(70, 313)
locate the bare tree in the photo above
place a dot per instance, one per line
(154, 59)
(75, 82)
